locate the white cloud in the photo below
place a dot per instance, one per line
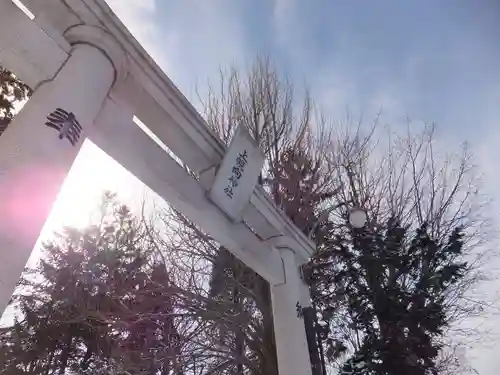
(283, 15)
(139, 17)
(190, 40)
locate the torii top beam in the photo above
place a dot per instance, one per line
(141, 88)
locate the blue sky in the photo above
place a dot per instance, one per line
(431, 60)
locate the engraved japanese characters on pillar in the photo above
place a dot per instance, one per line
(299, 309)
(66, 123)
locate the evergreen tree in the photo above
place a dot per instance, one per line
(300, 192)
(12, 91)
(394, 283)
(96, 299)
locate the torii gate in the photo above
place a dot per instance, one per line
(90, 77)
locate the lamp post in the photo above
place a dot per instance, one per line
(357, 217)
(315, 330)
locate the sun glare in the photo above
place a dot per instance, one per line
(92, 173)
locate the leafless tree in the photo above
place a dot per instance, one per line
(401, 172)
(264, 103)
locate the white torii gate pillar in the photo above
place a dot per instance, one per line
(289, 330)
(35, 158)
(243, 161)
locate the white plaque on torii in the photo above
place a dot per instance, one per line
(237, 175)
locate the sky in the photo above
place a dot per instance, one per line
(429, 60)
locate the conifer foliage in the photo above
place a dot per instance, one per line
(12, 91)
(395, 284)
(96, 301)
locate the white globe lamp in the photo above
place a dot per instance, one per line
(358, 218)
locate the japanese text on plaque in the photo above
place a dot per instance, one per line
(237, 173)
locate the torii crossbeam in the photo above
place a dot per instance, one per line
(90, 77)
